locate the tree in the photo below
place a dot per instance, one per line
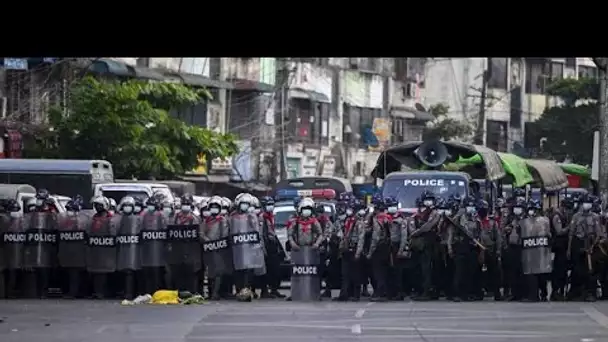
(128, 123)
(567, 130)
(444, 127)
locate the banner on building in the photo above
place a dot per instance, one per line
(381, 128)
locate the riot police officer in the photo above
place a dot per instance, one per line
(274, 252)
(101, 247)
(215, 234)
(128, 247)
(12, 230)
(424, 240)
(226, 206)
(491, 238)
(72, 248)
(559, 220)
(536, 251)
(247, 246)
(462, 235)
(398, 243)
(153, 239)
(168, 208)
(512, 263)
(113, 205)
(585, 233)
(305, 233)
(328, 231)
(379, 250)
(41, 245)
(183, 247)
(139, 206)
(351, 248)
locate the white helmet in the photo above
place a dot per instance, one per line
(244, 198)
(306, 202)
(111, 203)
(203, 203)
(216, 200)
(256, 202)
(103, 201)
(226, 202)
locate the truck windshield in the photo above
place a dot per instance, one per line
(408, 188)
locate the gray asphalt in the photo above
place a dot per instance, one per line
(276, 320)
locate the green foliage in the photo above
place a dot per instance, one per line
(444, 127)
(128, 124)
(568, 129)
(570, 90)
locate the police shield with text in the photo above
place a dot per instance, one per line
(215, 235)
(183, 248)
(247, 246)
(536, 251)
(12, 231)
(72, 246)
(128, 246)
(153, 237)
(41, 245)
(101, 249)
(305, 238)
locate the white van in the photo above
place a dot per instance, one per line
(144, 191)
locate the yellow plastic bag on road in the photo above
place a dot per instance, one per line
(165, 297)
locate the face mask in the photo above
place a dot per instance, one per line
(306, 212)
(15, 214)
(361, 212)
(427, 203)
(224, 211)
(127, 209)
(448, 212)
(269, 208)
(186, 208)
(257, 211)
(214, 210)
(137, 209)
(349, 212)
(371, 210)
(470, 210)
(250, 209)
(517, 211)
(206, 213)
(531, 212)
(392, 210)
(244, 207)
(167, 211)
(587, 206)
(151, 208)
(441, 211)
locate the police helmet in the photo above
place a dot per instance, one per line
(153, 201)
(390, 201)
(441, 203)
(267, 200)
(112, 203)
(72, 206)
(244, 198)
(520, 203)
(306, 202)
(470, 201)
(519, 192)
(139, 202)
(377, 199)
(100, 203)
(341, 207)
(127, 200)
(226, 203)
(12, 205)
(187, 199)
(255, 202)
(533, 204)
(236, 199)
(204, 203)
(215, 201)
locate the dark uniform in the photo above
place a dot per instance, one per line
(351, 248)
(585, 232)
(183, 247)
(464, 251)
(12, 231)
(559, 229)
(274, 252)
(379, 250)
(72, 247)
(128, 247)
(398, 241)
(101, 247)
(424, 243)
(491, 238)
(513, 276)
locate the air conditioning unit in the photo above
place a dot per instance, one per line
(3, 107)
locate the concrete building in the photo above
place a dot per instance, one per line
(516, 92)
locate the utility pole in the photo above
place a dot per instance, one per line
(602, 65)
(481, 117)
(283, 109)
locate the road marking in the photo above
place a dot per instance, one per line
(356, 329)
(367, 337)
(595, 315)
(587, 339)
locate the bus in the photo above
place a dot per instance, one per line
(63, 177)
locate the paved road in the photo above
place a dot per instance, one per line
(273, 320)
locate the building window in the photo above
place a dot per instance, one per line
(536, 79)
(143, 62)
(587, 71)
(557, 71)
(215, 65)
(571, 62)
(496, 135)
(244, 116)
(310, 122)
(498, 70)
